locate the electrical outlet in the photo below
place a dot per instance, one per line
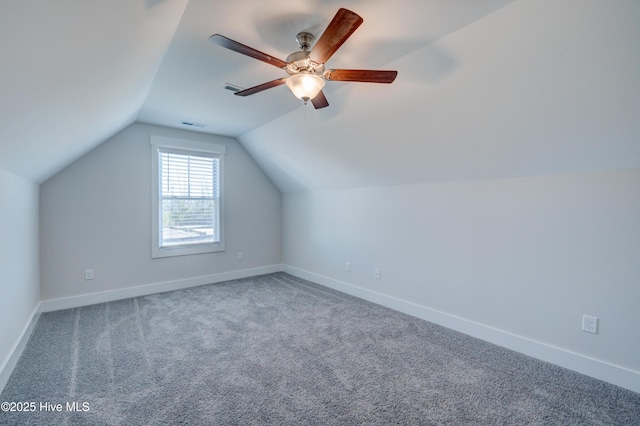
(376, 273)
(590, 324)
(348, 266)
(88, 274)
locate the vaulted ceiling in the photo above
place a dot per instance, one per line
(76, 72)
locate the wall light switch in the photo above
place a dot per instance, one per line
(376, 273)
(348, 266)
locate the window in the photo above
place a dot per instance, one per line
(187, 197)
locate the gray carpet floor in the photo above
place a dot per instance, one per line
(276, 349)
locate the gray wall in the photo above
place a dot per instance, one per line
(495, 181)
(526, 256)
(19, 277)
(96, 214)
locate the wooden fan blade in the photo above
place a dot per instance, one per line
(320, 101)
(365, 76)
(261, 87)
(227, 43)
(340, 28)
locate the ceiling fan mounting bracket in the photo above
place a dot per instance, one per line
(305, 40)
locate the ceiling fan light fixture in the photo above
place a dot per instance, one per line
(305, 86)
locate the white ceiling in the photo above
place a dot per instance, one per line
(189, 84)
(538, 87)
(486, 88)
(75, 72)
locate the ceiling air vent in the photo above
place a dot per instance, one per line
(192, 124)
(232, 87)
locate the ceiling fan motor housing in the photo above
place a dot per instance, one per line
(299, 62)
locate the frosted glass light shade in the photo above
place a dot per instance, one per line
(305, 86)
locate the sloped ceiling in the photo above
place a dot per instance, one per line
(189, 84)
(486, 88)
(538, 87)
(75, 72)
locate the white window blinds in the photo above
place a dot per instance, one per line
(189, 194)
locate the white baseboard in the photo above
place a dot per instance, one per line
(107, 296)
(598, 369)
(14, 355)
(144, 290)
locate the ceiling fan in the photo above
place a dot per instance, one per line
(306, 70)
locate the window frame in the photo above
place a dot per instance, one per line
(193, 147)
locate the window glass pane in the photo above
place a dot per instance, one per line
(189, 194)
(188, 222)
